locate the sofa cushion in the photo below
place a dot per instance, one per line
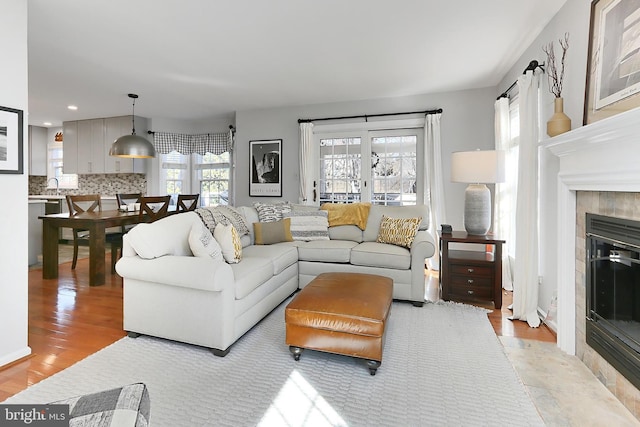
(229, 240)
(326, 250)
(373, 254)
(309, 225)
(398, 231)
(203, 244)
(282, 255)
(268, 212)
(347, 213)
(370, 234)
(268, 233)
(250, 274)
(167, 236)
(345, 232)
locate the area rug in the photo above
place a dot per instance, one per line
(442, 365)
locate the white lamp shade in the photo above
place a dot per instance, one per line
(478, 167)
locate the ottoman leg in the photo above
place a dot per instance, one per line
(296, 352)
(373, 366)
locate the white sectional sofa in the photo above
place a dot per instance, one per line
(172, 294)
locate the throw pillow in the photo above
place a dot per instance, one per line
(268, 233)
(203, 244)
(398, 231)
(268, 212)
(229, 241)
(309, 225)
(347, 214)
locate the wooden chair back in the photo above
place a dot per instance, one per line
(187, 202)
(154, 207)
(126, 198)
(83, 203)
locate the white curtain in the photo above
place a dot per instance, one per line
(306, 164)
(505, 202)
(434, 188)
(525, 284)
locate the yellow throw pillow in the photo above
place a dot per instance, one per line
(268, 233)
(229, 241)
(398, 231)
(347, 214)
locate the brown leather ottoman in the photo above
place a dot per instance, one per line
(341, 313)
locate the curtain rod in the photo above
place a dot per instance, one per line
(531, 67)
(366, 116)
(231, 127)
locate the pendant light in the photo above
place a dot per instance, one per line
(132, 146)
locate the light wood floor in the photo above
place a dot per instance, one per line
(69, 320)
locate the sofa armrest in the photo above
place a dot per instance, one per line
(186, 271)
(422, 247)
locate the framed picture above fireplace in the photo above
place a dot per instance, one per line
(613, 62)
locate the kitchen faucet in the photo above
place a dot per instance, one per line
(57, 185)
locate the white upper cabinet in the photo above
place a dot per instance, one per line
(87, 144)
(38, 151)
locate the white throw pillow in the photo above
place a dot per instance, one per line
(203, 244)
(309, 225)
(229, 240)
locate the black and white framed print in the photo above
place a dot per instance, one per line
(266, 168)
(613, 62)
(11, 139)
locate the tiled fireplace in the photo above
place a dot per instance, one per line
(597, 170)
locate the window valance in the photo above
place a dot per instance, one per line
(215, 143)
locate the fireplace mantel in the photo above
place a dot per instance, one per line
(602, 156)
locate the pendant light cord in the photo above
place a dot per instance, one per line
(133, 117)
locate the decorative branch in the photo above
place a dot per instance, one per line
(555, 78)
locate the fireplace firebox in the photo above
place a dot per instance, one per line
(613, 292)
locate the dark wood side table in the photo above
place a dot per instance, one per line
(471, 275)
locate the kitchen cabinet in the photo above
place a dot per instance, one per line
(87, 144)
(38, 151)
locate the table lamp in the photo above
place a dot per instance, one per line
(477, 168)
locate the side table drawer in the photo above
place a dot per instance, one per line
(476, 288)
(471, 270)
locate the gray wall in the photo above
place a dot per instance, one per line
(466, 124)
(574, 19)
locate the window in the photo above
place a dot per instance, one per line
(207, 175)
(212, 174)
(394, 172)
(54, 169)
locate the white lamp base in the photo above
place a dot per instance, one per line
(477, 209)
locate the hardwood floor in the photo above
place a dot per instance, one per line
(69, 320)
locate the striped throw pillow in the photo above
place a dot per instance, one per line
(398, 231)
(268, 212)
(309, 225)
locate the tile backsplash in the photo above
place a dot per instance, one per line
(103, 184)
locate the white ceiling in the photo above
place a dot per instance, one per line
(195, 59)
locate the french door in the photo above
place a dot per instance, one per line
(378, 166)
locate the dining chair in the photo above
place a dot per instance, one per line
(152, 208)
(127, 198)
(90, 203)
(187, 202)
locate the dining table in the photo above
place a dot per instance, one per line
(96, 223)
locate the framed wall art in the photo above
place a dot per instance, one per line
(266, 168)
(11, 140)
(613, 62)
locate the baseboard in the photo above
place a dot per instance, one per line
(551, 323)
(15, 356)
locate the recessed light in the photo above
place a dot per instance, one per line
(47, 123)
(72, 107)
